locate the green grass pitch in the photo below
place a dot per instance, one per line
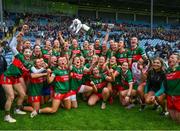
(93, 118)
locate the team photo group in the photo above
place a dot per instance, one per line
(61, 71)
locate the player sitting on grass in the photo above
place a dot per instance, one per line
(99, 81)
(154, 89)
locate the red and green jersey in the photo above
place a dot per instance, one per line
(56, 53)
(66, 53)
(102, 69)
(88, 58)
(45, 55)
(33, 57)
(126, 79)
(107, 54)
(137, 53)
(118, 78)
(35, 86)
(173, 81)
(61, 81)
(86, 75)
(53, 67)
(123, 56)
(98, 50)
(76, 51)
(76, 77)
(85, 53)
(17, 67)
(100, 82)
(112, 52)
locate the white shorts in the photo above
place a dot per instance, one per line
(80, 90)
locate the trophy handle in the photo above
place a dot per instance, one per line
(85, 27)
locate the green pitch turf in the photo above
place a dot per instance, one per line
(93, 118)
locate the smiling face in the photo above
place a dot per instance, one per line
(27, 44)
(111, 43)
(74, 43)
(121, 44)
(20, 47)
(134, 42)
(125, 66)
(173, 60)
(104, 46)
(95, 71)
(38, 63)
(82, 59)
(101, 60)
(86, 45)
(112, 60)
(27, 53)
(48, 45)
(91, 48)
(95, 59)
(62, 61)
(56, 44)
(66, 46)
(157, 64)
(114, 46)
(77, 62)
(37, 50)
(53, 60)
(97, 43)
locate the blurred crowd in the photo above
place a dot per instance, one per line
(48, 26)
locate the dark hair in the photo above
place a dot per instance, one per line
(146, 62)
(26, 48)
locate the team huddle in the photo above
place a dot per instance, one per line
(61, 69)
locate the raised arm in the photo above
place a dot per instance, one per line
(34, 70)
(61, 38)
(37, 75)
(106, 36)
(70, 61)
(17, 39)
(13, 45)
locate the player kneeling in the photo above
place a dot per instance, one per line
(98, 81)
(126, 91)
(154, 89)
(60, 80)
(76, 81)
(35, 87)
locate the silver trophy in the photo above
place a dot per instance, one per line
(76, 26)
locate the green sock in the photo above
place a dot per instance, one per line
(7, 112)
(20, 107)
